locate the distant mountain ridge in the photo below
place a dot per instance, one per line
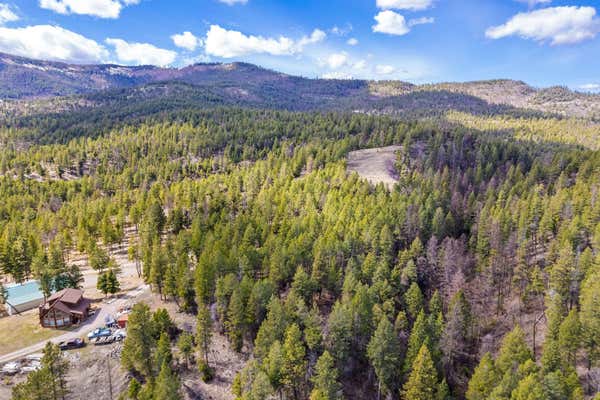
(23, 79)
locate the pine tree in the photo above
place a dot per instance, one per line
(236, 320)
(339, 338)
(260, 389)
(551, 357)
(483, 380)
(157, 268)
(294, 362)
(563, 385)
(205, 276)
(47, 383)
(140, 341)
(313, 334)
(185, 345)
(529, 388)
(384, 354)
(325, 379)
(162, 323)
(435, 304)
(513, 352)
(57, 366)
(443, 391)
(112, 283)
(168, 386)
(35, 388)
(422, 382)
(163, 355)
(171, 282)
(418, 337)
(102, 283)
(569, 339)
(204, 332)
(302, 284)
(133, 389)
(273, 365)
(99, 259)
(272, 328)
(561, 274)
(590, 318)
(414, 300)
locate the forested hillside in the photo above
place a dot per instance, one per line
(476, 277)
(32, 87)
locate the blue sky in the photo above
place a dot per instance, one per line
(543, 42)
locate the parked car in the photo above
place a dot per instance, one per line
(124, 310)
(103, 340)
(72, 344)
(99, 332)
(10, 368)
(120, 334)
(33, 366)
(34, 357)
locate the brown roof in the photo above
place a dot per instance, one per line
(59, 305)
(81, 307)
(68, 295)
(70, 301)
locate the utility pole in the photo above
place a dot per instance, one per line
(110, 389)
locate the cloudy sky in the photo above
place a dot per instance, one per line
(543, 42)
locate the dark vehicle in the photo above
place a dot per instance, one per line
(72, 344)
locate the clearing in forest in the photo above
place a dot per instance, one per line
(376, 165)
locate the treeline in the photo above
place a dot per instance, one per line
(335, 287)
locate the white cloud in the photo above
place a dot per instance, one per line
(533, 3)
(228, 43)
(352, 41)
(141, 53)
(590, 87)
(7, 14)
(186, 40)
(560, 25)
(342, 31)
(421, 21)
(336, 75)
(384, 69)
(233, 2)
(96, 8)
(337, 60)
(413, 5)
(391, 23)
(51, 43)
(315, 37)
(360, 65)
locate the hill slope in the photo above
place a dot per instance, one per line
(250, 85)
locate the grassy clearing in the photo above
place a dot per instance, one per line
(21, 331)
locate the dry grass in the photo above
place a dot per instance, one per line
(375, 165)
(23, 330)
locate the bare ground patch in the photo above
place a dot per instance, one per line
(375, 165)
